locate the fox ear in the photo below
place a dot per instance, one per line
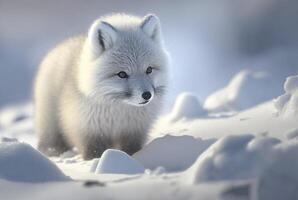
(151, 26)
(101, 36)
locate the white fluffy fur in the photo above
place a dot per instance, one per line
(80, 100)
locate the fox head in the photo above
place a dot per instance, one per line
(124, 60)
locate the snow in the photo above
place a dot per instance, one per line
(280, 178)
(21, 162)
(291, 84)
(117, 162)
(16, 122)
(287, 104)
(145, 187)
(259, 120)
(292, 133)
(187, 106)
(233, 157)
(249, 154)
(242, 92)
(9, 116)
(270, 163)
(173, 153)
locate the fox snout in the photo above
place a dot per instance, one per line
(147, 95)
(145, 91)
(142, 91)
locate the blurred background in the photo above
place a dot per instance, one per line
(209, 41)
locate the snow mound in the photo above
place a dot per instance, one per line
(292, 133)
(94, 165)
(234, 158)
(280, 179)
(287, 104)
(21, 162)
(269, 164)
(187, 106)
(243, 91)
(174, 153)
(115, 161)
(156, 172)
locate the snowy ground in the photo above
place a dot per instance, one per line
(193, 153)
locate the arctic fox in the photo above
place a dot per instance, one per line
(102, 90)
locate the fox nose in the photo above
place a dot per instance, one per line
(146, 95)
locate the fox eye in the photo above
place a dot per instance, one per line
(149, 70)
(122, 74)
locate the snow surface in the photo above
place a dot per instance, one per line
(21, 162)
(287, 104)
(260, 120)
(292, 133)
(187, 106)
(251, 154)
(242, 92)
(268, 162)
(16, 122)
(115, 161)
(174, 153)
(279, 180)
(233, 158)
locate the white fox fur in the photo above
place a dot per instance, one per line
(82, 101)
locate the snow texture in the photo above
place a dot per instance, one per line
(21, 162)
(187, 106)
(280, 178)
(287, 104)
(115, 161)
(17, 122)
(12, 115)
(292, 133)
(272, 162)
(174, 153)
(243, 91)
(262, 165)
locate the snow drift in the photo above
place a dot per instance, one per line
(243, 91)
(287, 104)
(187, 106)
(17, 122)
(267, 163)
(246, 157)
(292, 134)
(9, 116)
(21, 162)
(115, 161)
(232, 158)
(279, 180)
(173, 153)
